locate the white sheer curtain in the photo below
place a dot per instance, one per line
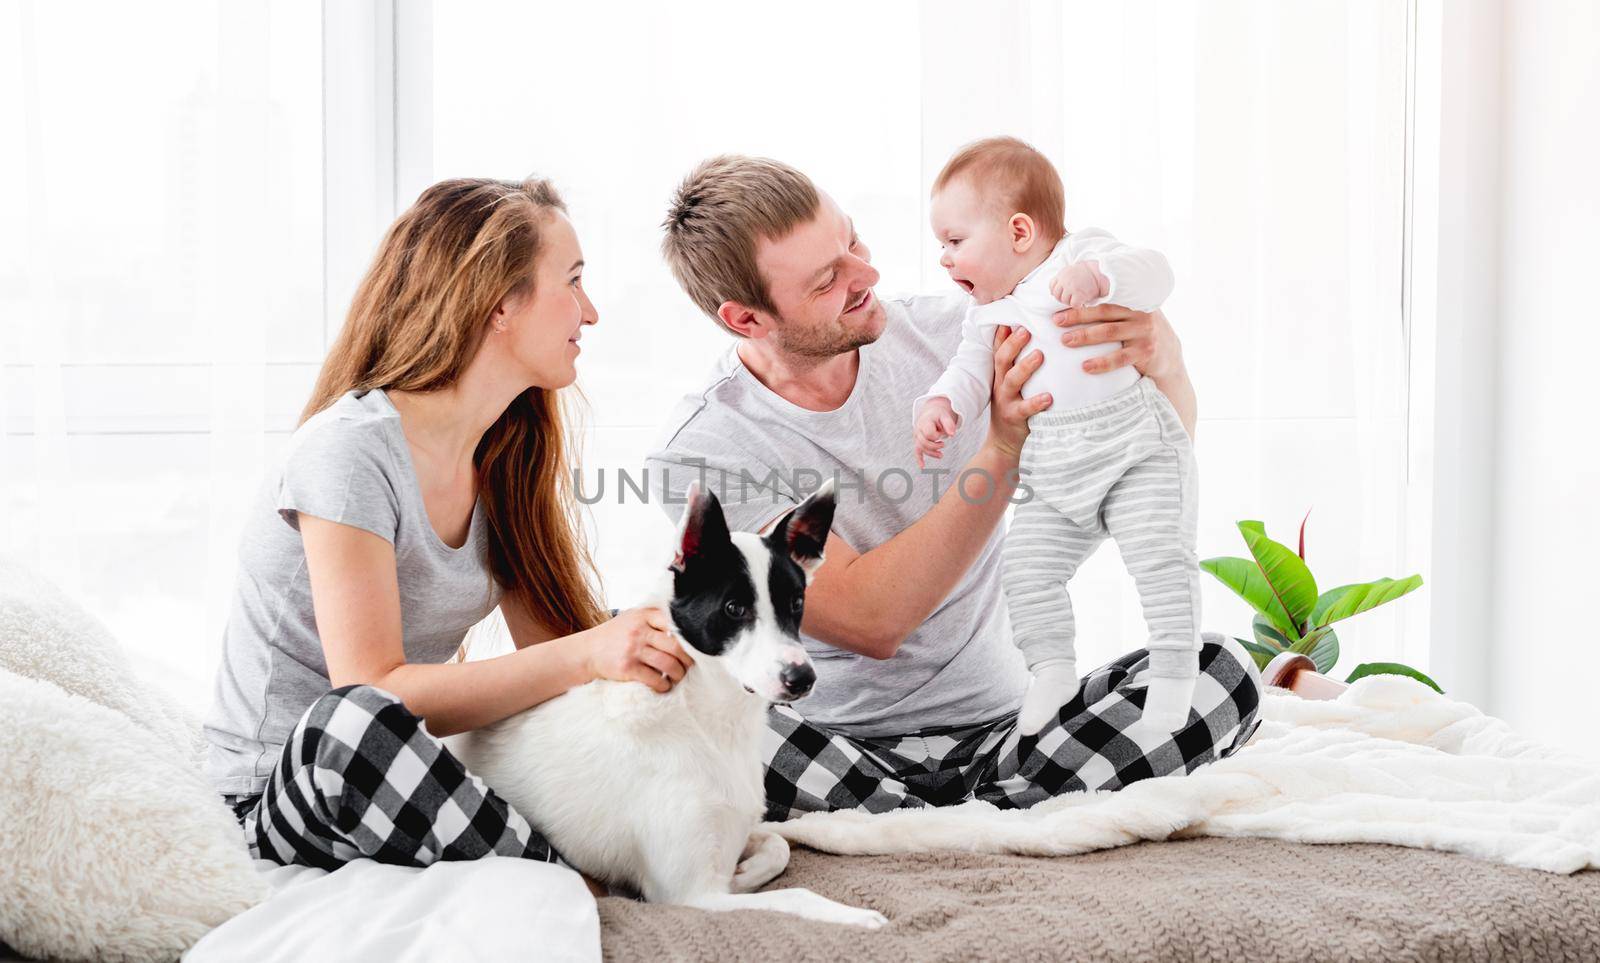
(160, 284)
(162, 276)
(1259, 144)
(616, 107)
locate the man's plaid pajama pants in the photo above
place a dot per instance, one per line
(360, 776)
(1094, 743)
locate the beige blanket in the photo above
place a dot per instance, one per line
(1204, 899)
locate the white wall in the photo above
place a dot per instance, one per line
(1543, 671)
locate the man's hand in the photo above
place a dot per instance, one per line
(1148, 343)
(1008, 411)
(935, 422)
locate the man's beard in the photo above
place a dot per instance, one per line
(822, 342)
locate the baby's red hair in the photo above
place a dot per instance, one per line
(1024, 180)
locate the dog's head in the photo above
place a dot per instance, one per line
(737, 597)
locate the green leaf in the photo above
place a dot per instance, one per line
(1262, 654)
(1391, 668)
(1348, 600)
(1286, 573)
(1245, 578)
(1267, 634)
(1326, 601)
(1322, 645)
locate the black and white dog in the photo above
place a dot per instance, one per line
(662, 794)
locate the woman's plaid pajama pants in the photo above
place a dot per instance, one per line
(360, 776)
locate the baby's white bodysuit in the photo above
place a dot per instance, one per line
(1140, 279)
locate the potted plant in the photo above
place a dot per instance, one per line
(1291, 616)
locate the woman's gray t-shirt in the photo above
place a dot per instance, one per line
(349, 464)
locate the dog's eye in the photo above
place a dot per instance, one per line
(796, 604)
(735, 610)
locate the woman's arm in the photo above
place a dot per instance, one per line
(524, 628)
(356, 596)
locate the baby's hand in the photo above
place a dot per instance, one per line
(935, 422)
(1079, 285)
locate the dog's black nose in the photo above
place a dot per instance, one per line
(797, 679)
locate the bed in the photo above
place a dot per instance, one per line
(1195, 900)
(1201, 899)
(1198, 899)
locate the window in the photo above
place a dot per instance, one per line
(161, 285)
(1260, 146)
(617, 124)
(189, 235)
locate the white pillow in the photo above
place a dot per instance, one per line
(112, 846)
(495, 908)
(45, 635)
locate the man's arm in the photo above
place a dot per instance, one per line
(1148, 343)
(869, 603)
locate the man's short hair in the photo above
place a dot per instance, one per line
(1025, 180)
(719, 213)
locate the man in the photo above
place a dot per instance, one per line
(918, 683)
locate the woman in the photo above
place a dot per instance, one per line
(427, 483)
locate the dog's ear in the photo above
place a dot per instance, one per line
(803, 533)
(702, 526)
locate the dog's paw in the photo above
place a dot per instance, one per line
(815, 906)
(766, 856)
(844, 915)
(864, 918)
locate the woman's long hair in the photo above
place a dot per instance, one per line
(419, 316)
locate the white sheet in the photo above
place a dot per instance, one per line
(1390, 761)
(496, 908)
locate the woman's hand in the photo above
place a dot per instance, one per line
(637, 646)
(1008, 410)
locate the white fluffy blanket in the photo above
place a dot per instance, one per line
(112, 844)
(1390, 761)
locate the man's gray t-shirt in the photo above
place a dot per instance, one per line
(350, 464)
(761, 455)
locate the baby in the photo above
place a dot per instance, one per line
(1108, 457)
